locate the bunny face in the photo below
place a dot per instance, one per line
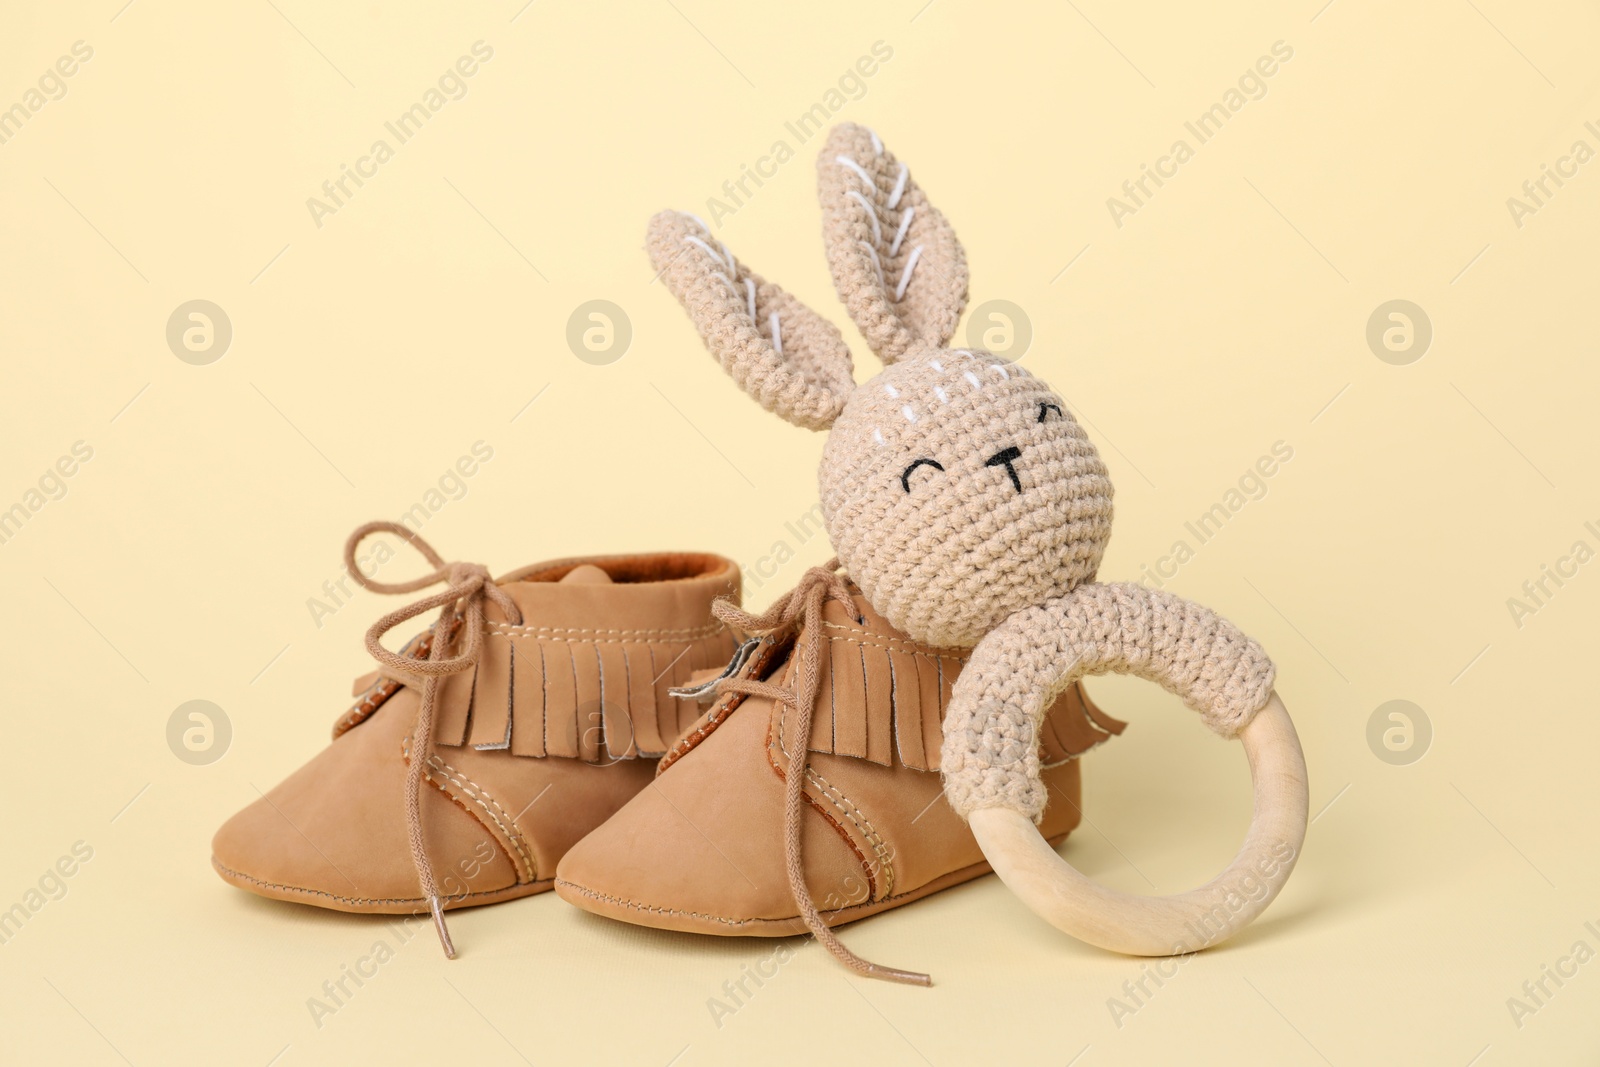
(957, 489)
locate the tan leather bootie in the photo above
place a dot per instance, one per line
(703, 849)
(539, 715)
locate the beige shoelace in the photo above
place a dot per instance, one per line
(801, 608)
(468, 585)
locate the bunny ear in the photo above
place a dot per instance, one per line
(790, 359)
(895, 259)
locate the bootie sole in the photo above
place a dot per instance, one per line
(641, 914)
(372, 905)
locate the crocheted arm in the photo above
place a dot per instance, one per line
(991, 752)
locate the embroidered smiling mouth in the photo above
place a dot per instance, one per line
(1006, 457)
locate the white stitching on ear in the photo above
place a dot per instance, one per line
(688, 237)
(720, 262)
(872, 216)
(911, 416)
(853, 165)
(876, 262)
(905, 276)
(877, 145)
(900, 234)
(805, 380)
(712, 252)
(899, 186)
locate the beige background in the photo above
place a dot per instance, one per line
(1227, 314)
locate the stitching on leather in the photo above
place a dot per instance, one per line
(489, 805)
(910, 647)
(841, 802)
(837, 798)
(883, 904)
(492, 807)
(219, 865)
(685, 744)
(370, 702)
(688, 741)
(505, 629)
(816, 806)
(648, 907)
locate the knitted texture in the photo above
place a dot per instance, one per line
(990, 756)
(790, 359)
(876, 224)
(946, 554)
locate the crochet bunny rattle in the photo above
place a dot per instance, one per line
(972, 511)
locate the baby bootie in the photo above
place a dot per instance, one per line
(705, 849)
(534, 707)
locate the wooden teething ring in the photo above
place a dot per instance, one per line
(1184, 922)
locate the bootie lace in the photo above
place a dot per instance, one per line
(468, 585)
(801, 610)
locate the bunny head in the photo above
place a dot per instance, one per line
(956, 487)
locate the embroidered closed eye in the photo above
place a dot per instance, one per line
(905, 476)
(1047, 406)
